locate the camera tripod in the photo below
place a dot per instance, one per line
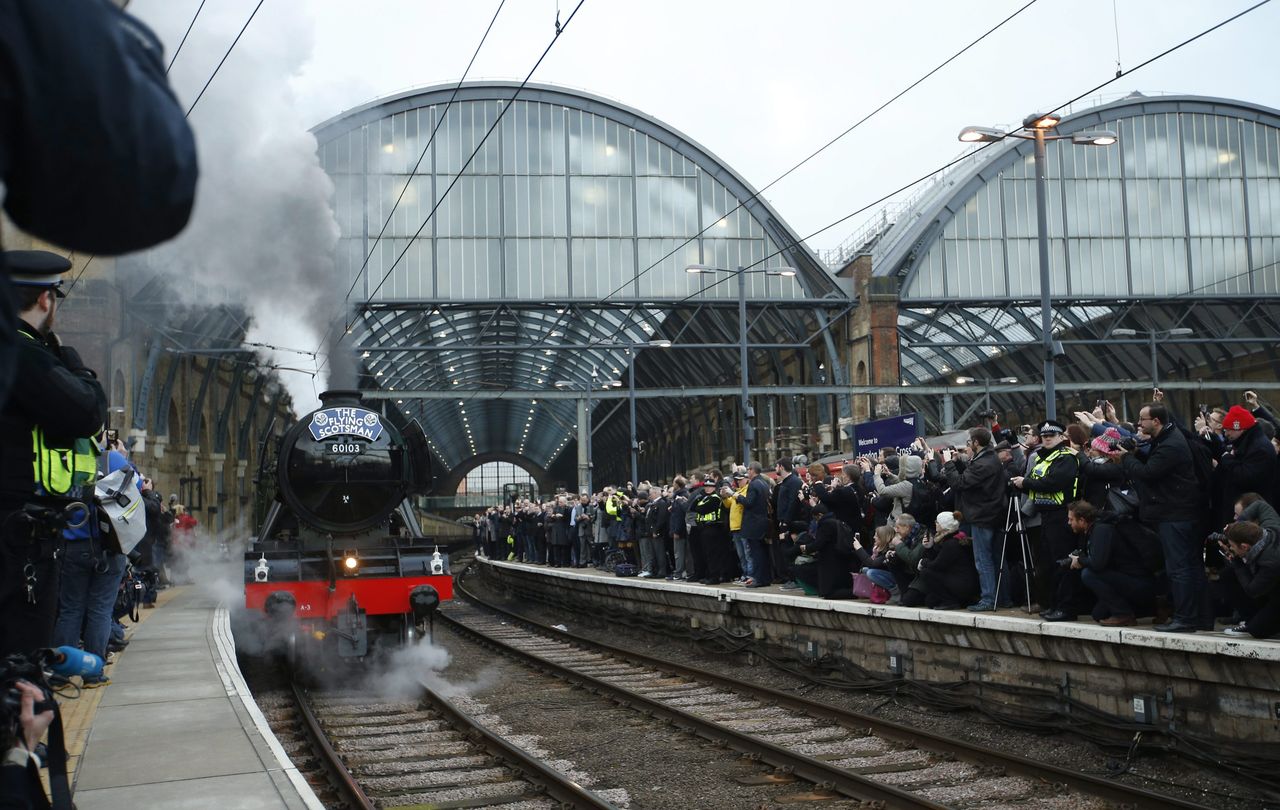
(1013, 525)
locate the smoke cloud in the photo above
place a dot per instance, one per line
(263, 232)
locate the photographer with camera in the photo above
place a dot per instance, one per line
(50, 416)
(22, 728)
(1116, 559)
(1168, 502)
(1252, 579)
(1247, 462)
(980, 485)
(1050, 486)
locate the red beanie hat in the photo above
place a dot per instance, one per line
(1238, 419)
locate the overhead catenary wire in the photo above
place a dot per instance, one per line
(913, 85)
(178, 49)
(497, 120)
(968, 155)
(187, 114)
(421, 156)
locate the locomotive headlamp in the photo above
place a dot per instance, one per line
(350, 563)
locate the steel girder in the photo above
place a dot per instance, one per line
(489, 351)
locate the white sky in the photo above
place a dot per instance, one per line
(762, 84)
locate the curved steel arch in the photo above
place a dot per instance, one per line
(910, 244)
(813, 275)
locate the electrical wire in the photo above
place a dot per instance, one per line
(414, 171)
(951, 163)
(223, 60)
(560, 29)
(187, 114)
(826, 145)
(178, 50)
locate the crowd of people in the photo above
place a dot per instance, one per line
(1163, 519)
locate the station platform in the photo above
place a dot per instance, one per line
(177, 727)
(1223, 686)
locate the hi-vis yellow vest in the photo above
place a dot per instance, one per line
(1038, 471)
(60, 469)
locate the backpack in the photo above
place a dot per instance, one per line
(925, 500)
(844, 538)
(1201, 463)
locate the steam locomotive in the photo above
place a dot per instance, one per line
(340, 566)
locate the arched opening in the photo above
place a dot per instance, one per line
(860, 376)
(497, 482)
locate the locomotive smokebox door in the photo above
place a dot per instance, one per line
(353, 632)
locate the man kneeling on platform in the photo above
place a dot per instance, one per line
(1252, 583)
(1116, 558)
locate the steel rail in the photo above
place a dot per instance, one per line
(550, 781)
(823, 774)
(342, 778)
(1135, 797)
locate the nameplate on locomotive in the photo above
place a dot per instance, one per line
(345, 422)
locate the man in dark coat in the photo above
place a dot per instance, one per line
(1247, 463)
(980, 488)
(1167, 502)
(786, 508)
(755, 524)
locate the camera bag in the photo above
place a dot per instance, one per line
(122, 517)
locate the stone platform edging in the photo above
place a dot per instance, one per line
(1215, 685)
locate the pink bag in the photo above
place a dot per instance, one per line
(865, 588)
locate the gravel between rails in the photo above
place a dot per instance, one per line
(655, 767)
(1164, 773)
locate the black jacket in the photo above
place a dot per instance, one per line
(56, 393)
(1248, 465)
(980, 487)
(755, 509)
(1096, 477)
(1166, 481)
(1108, 548)
(1259, 571)
(679, 508)
(843, 501)
(786, 505)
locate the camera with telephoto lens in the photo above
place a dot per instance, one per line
(1217, 538)
(990, 413)
(1065, 562)
(16, 668)
(1128, 444)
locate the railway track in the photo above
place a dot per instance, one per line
(426, 753)
(845, 753)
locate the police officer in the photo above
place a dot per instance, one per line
(44, 455)
(1051, 486)
(713, 555)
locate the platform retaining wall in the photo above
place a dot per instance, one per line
(1226, 689)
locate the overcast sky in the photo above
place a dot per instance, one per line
(759, 84)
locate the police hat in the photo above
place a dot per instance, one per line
(36, 268)
(1050, 427)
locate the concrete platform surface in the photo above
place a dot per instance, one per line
(177, 727)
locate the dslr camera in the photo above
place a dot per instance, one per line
(1065, 562)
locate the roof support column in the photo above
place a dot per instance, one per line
(584, 450)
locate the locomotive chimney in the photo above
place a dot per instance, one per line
(337, 397)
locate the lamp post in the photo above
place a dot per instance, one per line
(661, 343)
(742, 273)
(986, 382)
(1152, 334)
(1037, 129)
(584, 425)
